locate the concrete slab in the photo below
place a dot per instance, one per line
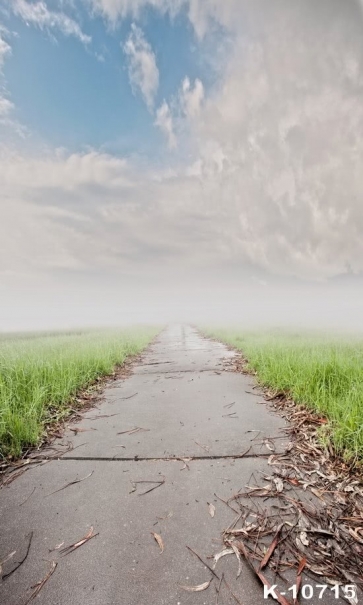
(183, 414)
(123, 564)
(181, 349)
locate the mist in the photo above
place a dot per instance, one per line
(333, 307)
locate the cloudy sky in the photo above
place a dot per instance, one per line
(179, 159)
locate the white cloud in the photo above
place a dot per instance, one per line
(273, 179)
(143, 71)
(5, 106)
(38, 14)
(203, 14)
(62, 171)
(278, 140)
(5, 50)
(119, 9)
(164, 121)
(191, 98)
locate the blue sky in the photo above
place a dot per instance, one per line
(190, 149)
(76, 95)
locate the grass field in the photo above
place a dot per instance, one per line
(40, 373)
(324, 373)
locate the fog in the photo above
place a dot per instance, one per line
(333, 307)
(251, 211)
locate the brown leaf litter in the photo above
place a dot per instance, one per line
(310, 519)
(159, 540)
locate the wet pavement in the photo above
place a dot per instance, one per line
(180, 402)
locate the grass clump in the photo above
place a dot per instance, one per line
(324, 373)
(40, 373)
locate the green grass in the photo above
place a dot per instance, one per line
(41, 373)
(324, 373)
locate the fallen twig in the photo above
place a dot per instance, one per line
(10, 556)
(30, 495)
(102, 416)
(204, 563)
(204, 447)
(218, 589)
(185, 462)
(136, 429)
(14, 475)
(69, 484)
(158, 484)
(77, 430)
(20, 563)
(68, 549)
(231, 591)
(38, 587)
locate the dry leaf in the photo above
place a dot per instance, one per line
(301, 568)
(280, 598)
(279, 484)
(271, 549)
(304, 538)
(158, 540)
(317, 493)
(224, 553)
(353, 600)
(357, 534)
(167, 516)
(212, 509)
(294, 482)
(199, 588)
(57, 547)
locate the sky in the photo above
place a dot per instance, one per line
(181, 160)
